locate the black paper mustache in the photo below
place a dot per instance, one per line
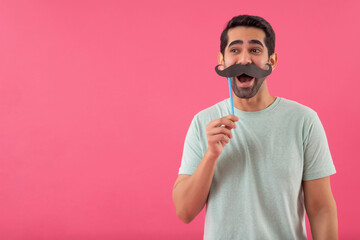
(250, 69)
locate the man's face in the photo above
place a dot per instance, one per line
(245, 46)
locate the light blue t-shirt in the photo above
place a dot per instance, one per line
(256, 191)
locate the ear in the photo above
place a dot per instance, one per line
(221, 61)
(273, 60)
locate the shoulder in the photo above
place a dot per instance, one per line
(298, 110)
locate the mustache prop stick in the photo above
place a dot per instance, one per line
(237, 70)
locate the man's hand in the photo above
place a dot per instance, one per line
(218, 133)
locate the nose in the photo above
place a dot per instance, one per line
(244, 58)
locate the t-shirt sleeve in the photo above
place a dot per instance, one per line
(192, 151)
(318, 162)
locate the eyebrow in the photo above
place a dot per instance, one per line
(253, 41)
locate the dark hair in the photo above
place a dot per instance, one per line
(249, 21)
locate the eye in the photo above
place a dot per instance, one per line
(259, 51)
(234, 50)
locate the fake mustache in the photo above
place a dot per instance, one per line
(250, 69)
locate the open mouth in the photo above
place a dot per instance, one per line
(244, 78)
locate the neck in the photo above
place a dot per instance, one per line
(260, 101)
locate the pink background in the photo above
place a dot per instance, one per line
(96, 98)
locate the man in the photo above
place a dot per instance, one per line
(258, 170)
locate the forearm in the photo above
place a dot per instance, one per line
(324, 224)
(190, 195)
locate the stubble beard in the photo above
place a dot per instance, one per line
(248, 92)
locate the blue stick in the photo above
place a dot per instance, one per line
(231, 97)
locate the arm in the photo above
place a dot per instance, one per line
(190, 192)
(321, 208)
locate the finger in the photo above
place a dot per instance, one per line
(219, 131)
(232, 118)
(225, 122)
(224, 139)
(227, 127)
(220, 138)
